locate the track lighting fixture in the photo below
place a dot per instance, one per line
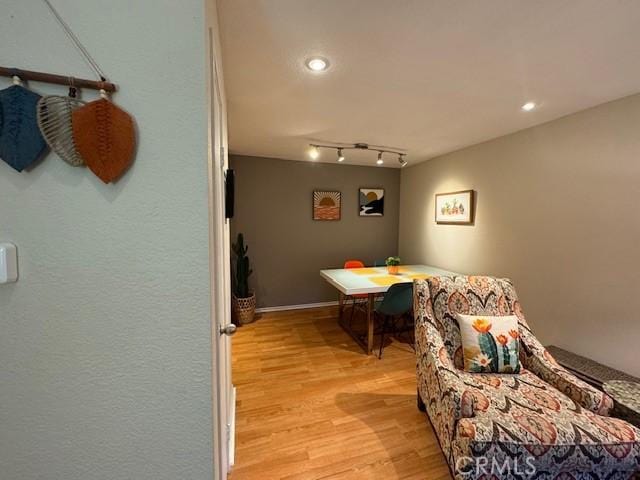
(314, 151)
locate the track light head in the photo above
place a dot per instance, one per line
(340, 155)
(380, 161)
(314, 153)
(401, 160)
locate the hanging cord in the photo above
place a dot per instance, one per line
(92, 63)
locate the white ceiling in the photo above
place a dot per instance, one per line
(428, 76)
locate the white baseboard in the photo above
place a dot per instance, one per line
(302, 306)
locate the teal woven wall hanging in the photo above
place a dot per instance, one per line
(21, 143)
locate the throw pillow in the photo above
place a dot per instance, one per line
(489, 343)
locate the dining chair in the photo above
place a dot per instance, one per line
(353, 264)
(359, 300)
(397, 301)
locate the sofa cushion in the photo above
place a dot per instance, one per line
(489, 343)
(520, 415)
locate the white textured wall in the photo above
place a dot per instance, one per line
(556, 212)
(105, 363)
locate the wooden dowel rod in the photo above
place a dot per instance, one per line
(58, 79)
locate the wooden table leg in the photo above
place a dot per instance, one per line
(370, 305)
(340, 305)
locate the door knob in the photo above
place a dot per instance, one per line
(228, 330)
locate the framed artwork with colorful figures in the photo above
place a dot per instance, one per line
(455, 208)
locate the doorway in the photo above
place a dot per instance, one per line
(223, 394)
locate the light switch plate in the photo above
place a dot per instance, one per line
(8, 263)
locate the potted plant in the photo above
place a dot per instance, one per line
(392, 265)
(244, 301)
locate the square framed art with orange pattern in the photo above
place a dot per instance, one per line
(326, 205)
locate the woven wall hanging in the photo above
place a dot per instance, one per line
(21, 143)
(97, 134)
(54, 119)
(105, 137)
(103, 134)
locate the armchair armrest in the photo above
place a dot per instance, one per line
(445, 383)
(421, 307)
(441, 385)
(449, 382)
(539, 361)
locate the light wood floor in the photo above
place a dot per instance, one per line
(312, 405)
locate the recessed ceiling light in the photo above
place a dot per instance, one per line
(380, 161)
(314, 153)
(527, 107)
(317, 64)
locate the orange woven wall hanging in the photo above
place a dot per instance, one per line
(104, 135)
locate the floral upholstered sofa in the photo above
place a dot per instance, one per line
(541, 423)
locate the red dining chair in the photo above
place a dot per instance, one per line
(353, 264)
(358, 300)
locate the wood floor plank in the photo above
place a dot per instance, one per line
(311, 405)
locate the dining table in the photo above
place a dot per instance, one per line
(372, 282)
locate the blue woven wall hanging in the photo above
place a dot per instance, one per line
(21, 143)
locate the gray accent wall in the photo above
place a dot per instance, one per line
(286, 246)
(557, 211)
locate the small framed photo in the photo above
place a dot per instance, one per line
(371, 202)
(326, 205)
(455, 208)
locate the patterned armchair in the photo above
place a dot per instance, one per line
(541, 423)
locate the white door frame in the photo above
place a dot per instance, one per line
(223, 394)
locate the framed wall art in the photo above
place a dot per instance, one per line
(455, 208)
(326, 205)
(371, 202)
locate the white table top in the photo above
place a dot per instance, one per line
(353, 281)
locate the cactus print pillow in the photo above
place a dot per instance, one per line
(489, 343)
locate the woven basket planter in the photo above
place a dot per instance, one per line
(244, 309)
